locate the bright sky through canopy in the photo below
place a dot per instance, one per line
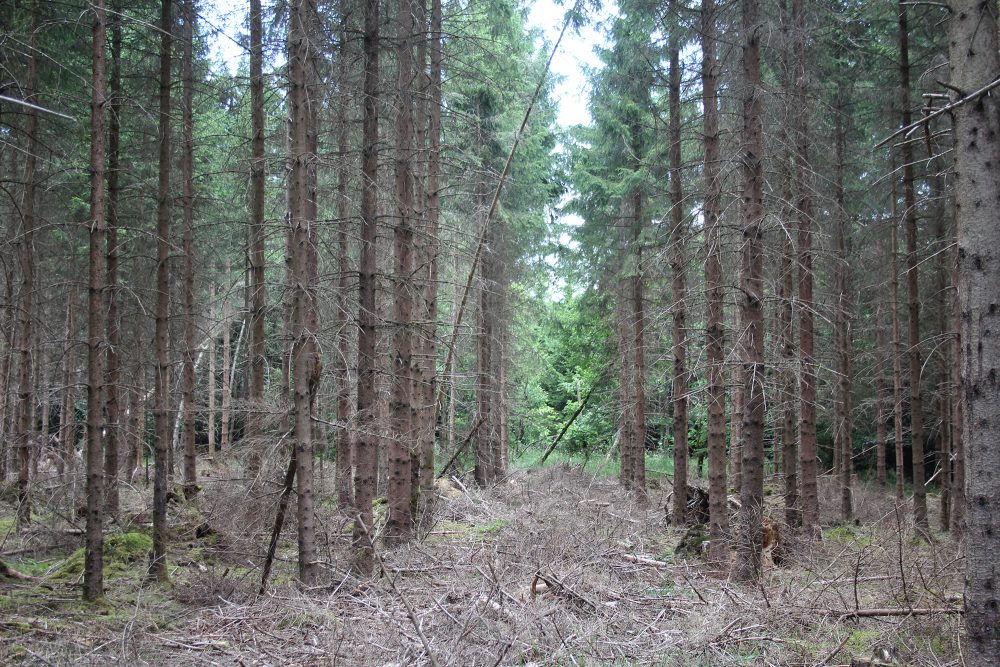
(576, 53)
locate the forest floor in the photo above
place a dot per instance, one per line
(552, 567)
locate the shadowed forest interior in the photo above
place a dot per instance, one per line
(327, 340)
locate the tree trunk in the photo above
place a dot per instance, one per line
(257, 297)
(367, 442)
(113, 379)
(400, 523)
(807, 376)
(210, 381)
(737, 381)
(187, 176)
(227, 362)
(897, 374)
(93, 571)
(912, 292)
(842, 324)
(67, 412)
(974, 62)
(23, 426)
(880, 351)
(638, 329)
(345, 434)
(786, 291)
(158, 564)
(433, 213)
(678, 285)
(750, 542)
(302, 359)
(945, 296)
(718, 512)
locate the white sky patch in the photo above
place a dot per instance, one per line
(225, 20)
(576, 54)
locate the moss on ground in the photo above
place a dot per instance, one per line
(121, 552)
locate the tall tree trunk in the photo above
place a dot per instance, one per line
(227, 363)
(678, 285)
(67, 416)
(737, 381)
(187, 176)
(367, 442)
(974, 63)
(345, 434)
(752, 305)
(487, 352)
(302, 360)
(718, 512)
(786, 291)
(257, 297)
(158, 564)
(23, 424)
(433, 220)
(93, 571)
(842, 323)
(912, 291)
(210, 380)
(113, 379)
(638, 330)
(807, 376)
(945, 391)
(880, 347)
(958, 433)
(400, 523)
(897, 374)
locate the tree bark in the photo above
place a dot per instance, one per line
(912, 289)
(749, 564)
(897, 374)
(843, 425)
(210, 380)
(227, 363)
(302, 353)
(345, 433)
(190, 472)
(158, 563)
(880, 350)
(718, 512)
(807, 374)
(113, 379)
(400, 524)
(23, 423)
(93, 571)
(678, 285)
(67, 416)
(367, 442)
(974, 62)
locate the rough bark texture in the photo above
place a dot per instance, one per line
(843, 423)
(718, 512)
(974, 62)
(786, 295)
(678, 285)
(302, 359)
(433, 212)
(93, 569)
(912, 290)
(367, 442)
(882, 352)
(807, 373)
(897, 373)
(487, 439)
(638, 328)
(161, 400)
(945, 392)
(190, 474)
(67, 417)
(112, 376)
(23, 423)
(751, 517)
(257, 297)
(400, 523)
(227, 387)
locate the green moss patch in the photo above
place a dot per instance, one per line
(121, 551)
